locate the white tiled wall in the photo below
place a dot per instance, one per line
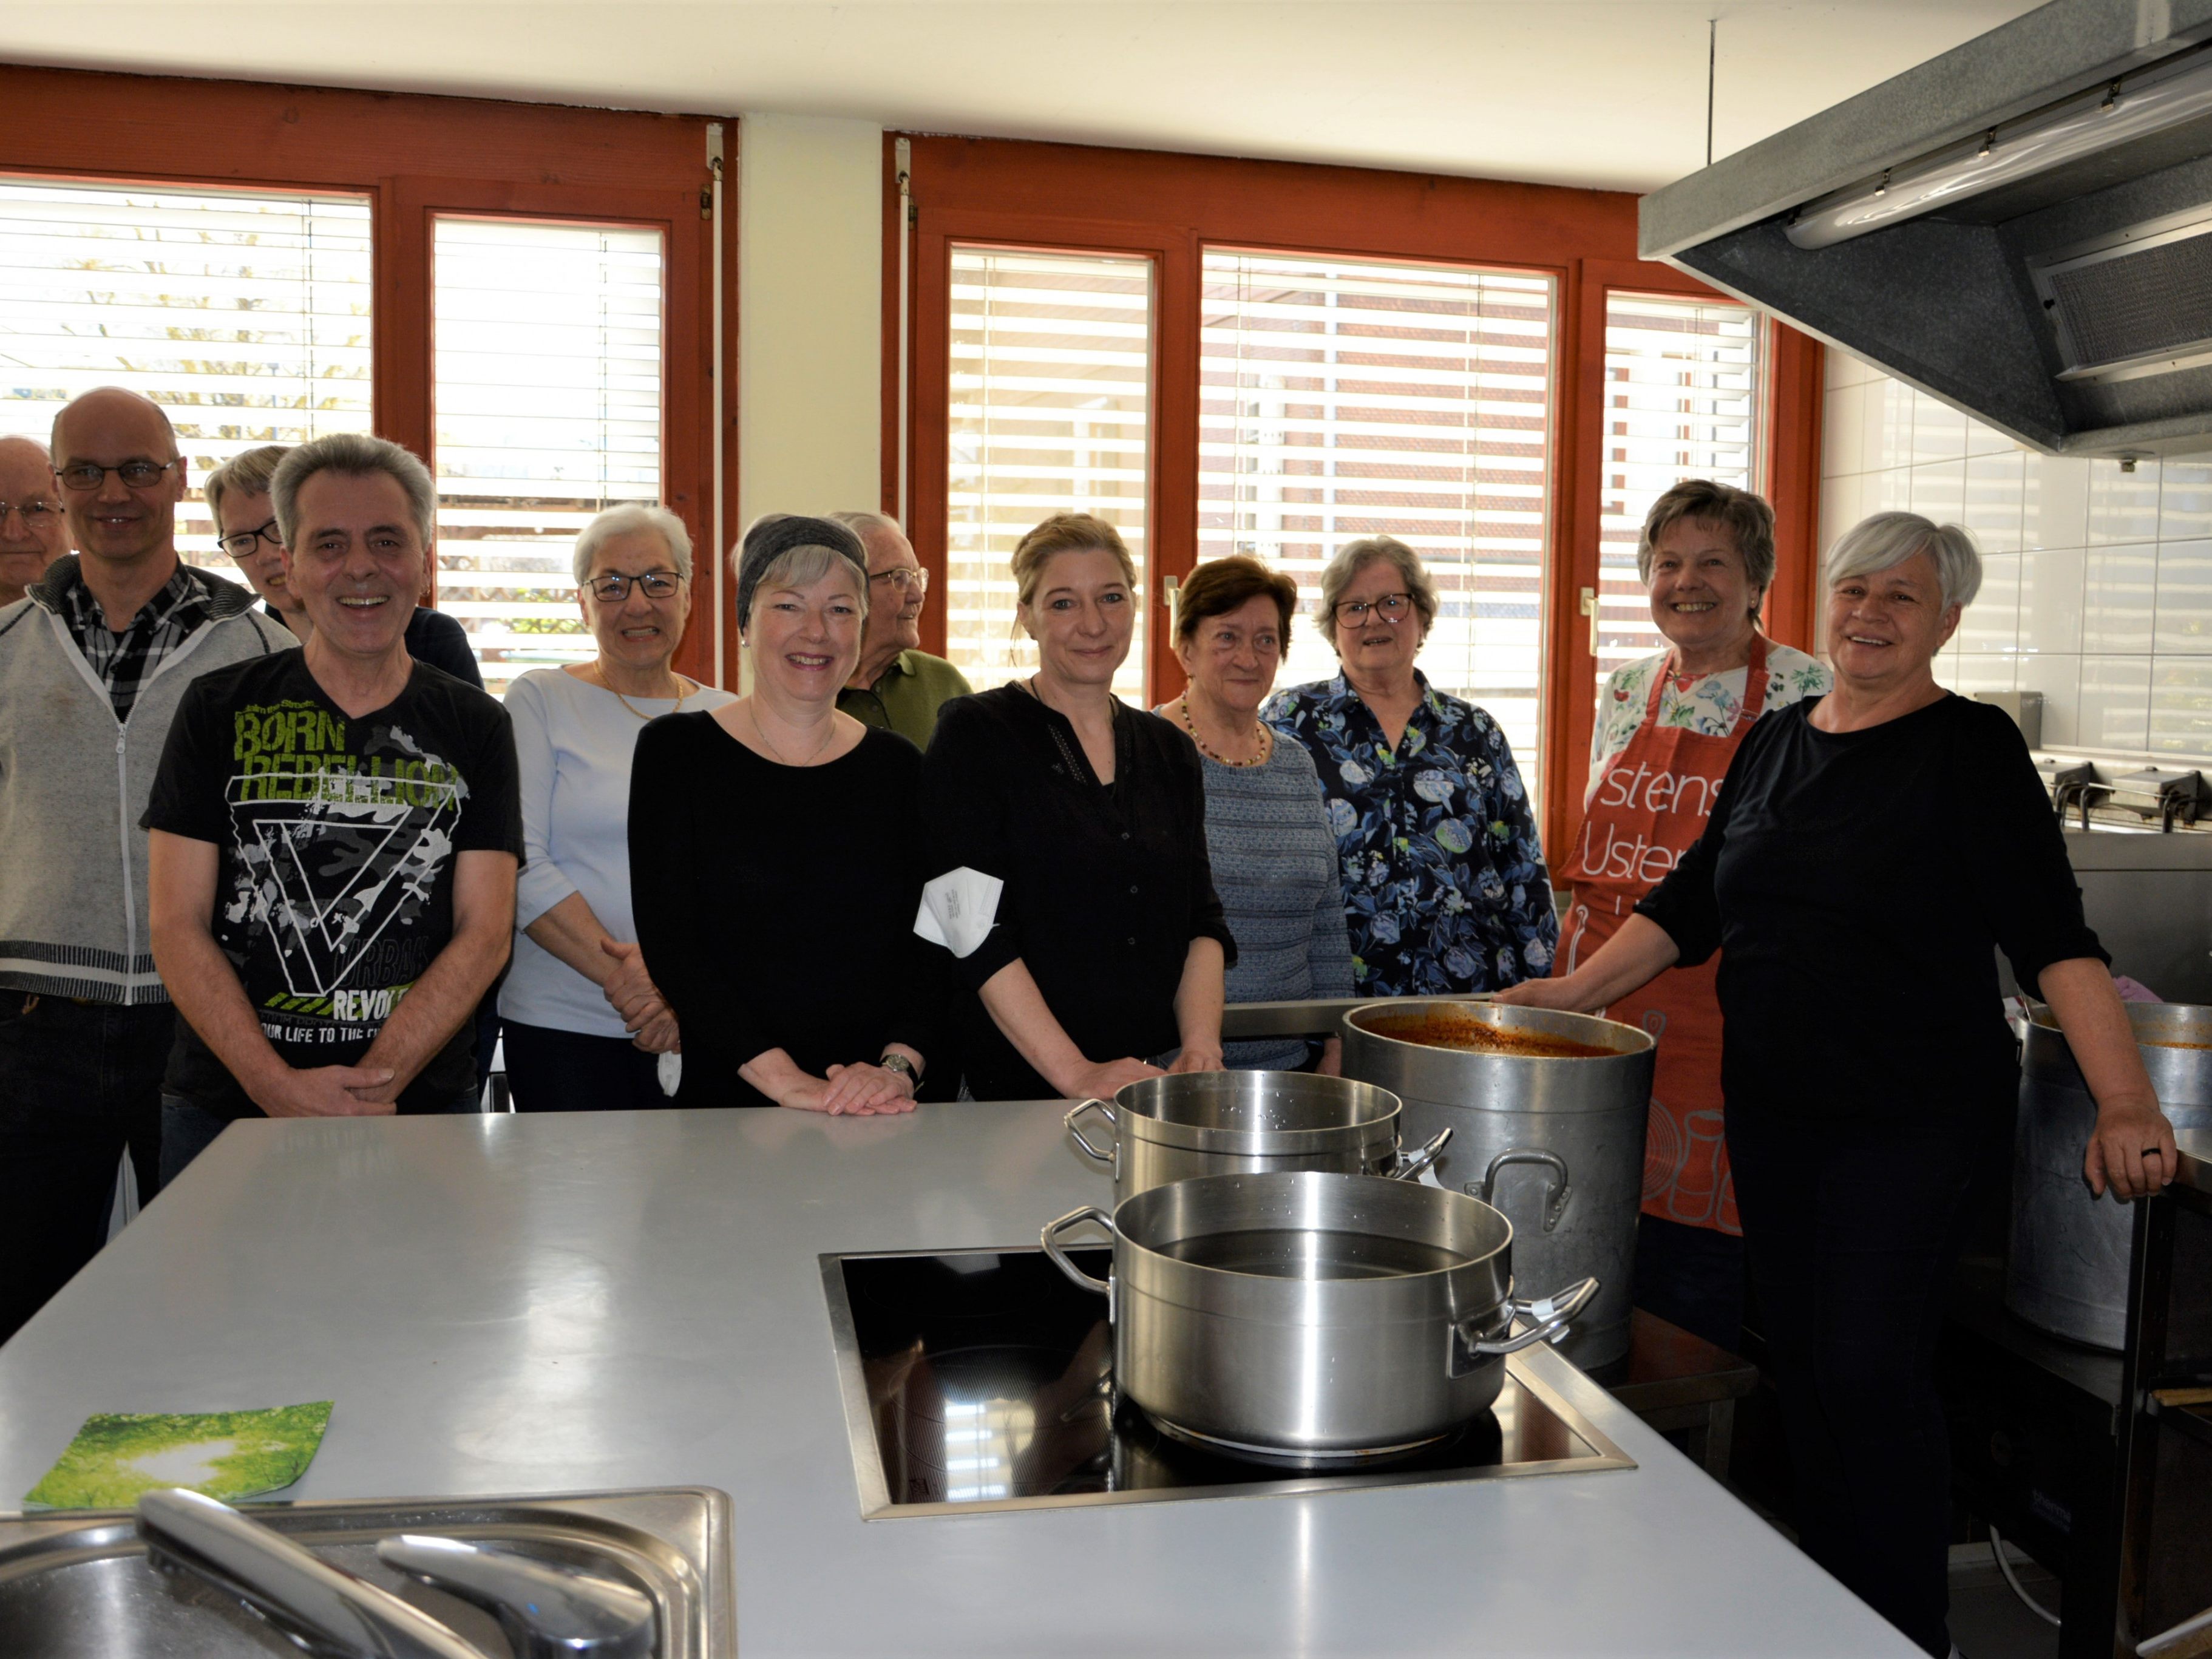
(2097, 589)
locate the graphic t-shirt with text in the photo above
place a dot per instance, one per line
(339, 837)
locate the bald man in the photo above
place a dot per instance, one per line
(102, 649)
(32, 533)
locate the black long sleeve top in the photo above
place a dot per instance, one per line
(776, 904)
(1105, 886)
(1858, 885)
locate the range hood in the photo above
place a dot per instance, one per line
(2021, 227)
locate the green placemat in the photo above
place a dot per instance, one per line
(228, 1454)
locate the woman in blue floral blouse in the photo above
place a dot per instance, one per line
(1444, 884)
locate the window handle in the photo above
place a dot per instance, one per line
(1589, 610)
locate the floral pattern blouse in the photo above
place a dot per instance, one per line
(1709, 706)
(1444, 885)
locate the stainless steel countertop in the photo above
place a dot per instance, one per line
(509, 1305)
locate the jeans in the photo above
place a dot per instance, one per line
(1852, 1230)
(555, 1070)
(1692, 1277)
(80, 1085)
(188, 1130)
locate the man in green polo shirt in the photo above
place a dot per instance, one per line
(897, 684)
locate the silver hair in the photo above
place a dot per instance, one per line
(803, 566)
(771, 551)
(1889, 539)
(358, 454)
(1355, 556)
(861, 522)
(620, 521)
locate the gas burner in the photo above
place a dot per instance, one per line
(977, 1380)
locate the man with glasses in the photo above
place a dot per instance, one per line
(897, 684)
(92, 668)
(32, 533)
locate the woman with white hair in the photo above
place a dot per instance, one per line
(585, 1024)
(1870, 851)
(1444, 886)
(774, 905)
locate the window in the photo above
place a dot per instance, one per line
(244, 314)
(1049, 411)
(1340, 400)
(1681, 394)
(548, 392)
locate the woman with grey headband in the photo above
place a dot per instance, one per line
(777, 913)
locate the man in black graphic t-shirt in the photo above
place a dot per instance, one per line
(335, 833)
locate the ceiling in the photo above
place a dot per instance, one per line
(1604, 93)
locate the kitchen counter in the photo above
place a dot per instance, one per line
(536, 1304)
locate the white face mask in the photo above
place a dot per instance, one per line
(958, 910)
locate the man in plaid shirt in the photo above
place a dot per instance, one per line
(92, 663)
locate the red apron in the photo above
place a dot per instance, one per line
(1646, 812)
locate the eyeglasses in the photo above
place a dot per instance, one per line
(240, 544)
(613, 590)
(37, 515)
(90, 475)
(906, 578)
(1391, 607)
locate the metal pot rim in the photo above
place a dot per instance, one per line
(1377, 1132)
(1609, 1033)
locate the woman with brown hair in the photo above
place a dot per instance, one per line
(1267, 826)
(1067, 838)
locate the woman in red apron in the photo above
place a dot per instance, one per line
(1666, 730)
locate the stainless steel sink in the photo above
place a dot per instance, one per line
(77, 1585)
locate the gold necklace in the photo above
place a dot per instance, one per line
(761, 732)
(1259, 732)
(684, 688)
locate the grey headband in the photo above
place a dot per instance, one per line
(772, 536)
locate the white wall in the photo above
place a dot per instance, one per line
(2097, 589)
(810, 316)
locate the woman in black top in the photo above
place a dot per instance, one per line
(1867, 854)
(1106, 946)
(772, 911)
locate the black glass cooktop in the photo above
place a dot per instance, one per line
(981, 1380)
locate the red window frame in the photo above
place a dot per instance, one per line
(414, 158)
(1170, 207)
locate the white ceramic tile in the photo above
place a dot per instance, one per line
(1982, 672)
(1889, 425)
(2059, 679)
(2113, 710)
(1889, 490)
(1843, 368)
(1938, 490)
(2051, 601)
(1841, 505)
(2184, 500)
(2057, 501)
(1991, 624)
(2123, 505)
(2119, 590)
(1995, 488)
(2183, 617)
(1987, 440)
(1842, 430)
(2181, 707)
(1939, 431)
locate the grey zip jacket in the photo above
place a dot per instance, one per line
(74, 782)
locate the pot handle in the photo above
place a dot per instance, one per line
(1551, 1316)
(1555, 1201)
(1411, 1165)
(1049, 1237)
(1093, 1106)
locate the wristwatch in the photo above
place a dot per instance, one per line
(903, 1066)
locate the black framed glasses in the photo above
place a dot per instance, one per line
(1391, 607)
(37, 514)
(240, 544)
(138, 475)
(908, 578)
(613, 590)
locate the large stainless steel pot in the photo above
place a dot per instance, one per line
(2067, 1271)
(1311, 1316)
(1557, 1144)
(1202, 1123)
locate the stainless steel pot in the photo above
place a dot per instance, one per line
(1579, 1120)
(1312, 1316)
(2067, 1271)
(1202, 1123)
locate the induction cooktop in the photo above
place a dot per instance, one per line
(977, 1380)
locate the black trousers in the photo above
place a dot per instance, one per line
(1852, 1232)
(551, 1071)
(80, 1084)
(1692, 1277)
